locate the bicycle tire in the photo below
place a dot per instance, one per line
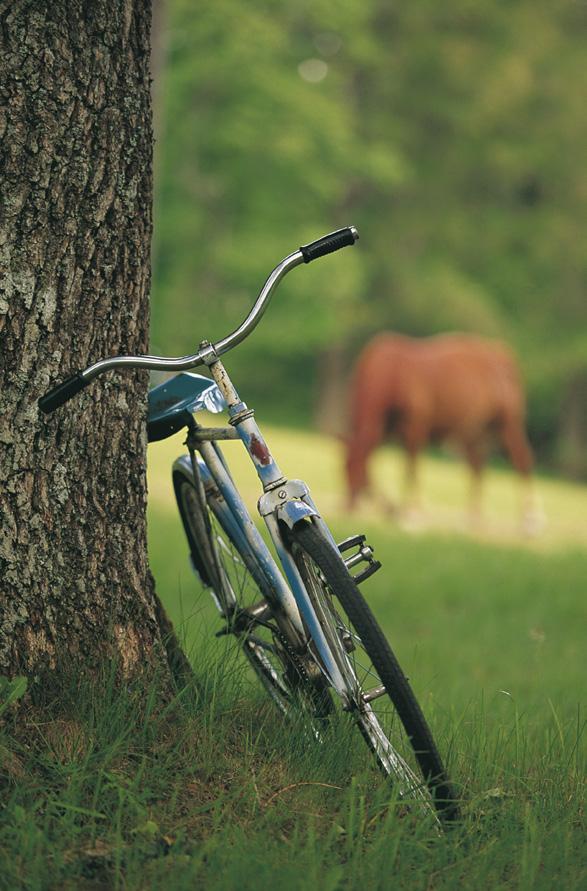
(276, 665)
(325, 574)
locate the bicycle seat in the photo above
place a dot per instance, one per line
(173, 402)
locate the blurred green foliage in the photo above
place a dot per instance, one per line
(451, 134)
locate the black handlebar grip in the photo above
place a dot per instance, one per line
(61, 393)
(329, 243)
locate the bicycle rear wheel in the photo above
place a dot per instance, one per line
(379, 697)
(229, 569)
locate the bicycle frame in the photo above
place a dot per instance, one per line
(283, 502)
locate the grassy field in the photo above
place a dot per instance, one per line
(215, 791)
(490, 628)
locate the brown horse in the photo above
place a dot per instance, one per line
(453, 387)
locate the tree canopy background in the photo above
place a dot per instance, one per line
(452, 135)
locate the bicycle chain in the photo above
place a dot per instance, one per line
(293, 657)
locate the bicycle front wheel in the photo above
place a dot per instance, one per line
(379, 697)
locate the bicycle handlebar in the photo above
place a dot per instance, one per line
(329, 243)
(319, 248)
(62, 393)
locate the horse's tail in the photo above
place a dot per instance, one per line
(512, 415)
(509, 375)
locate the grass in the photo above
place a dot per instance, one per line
(213, 790)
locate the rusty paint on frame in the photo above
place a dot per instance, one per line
(259, 450)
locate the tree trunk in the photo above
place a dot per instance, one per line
(572, 438)
(75, 231)
(331, 408)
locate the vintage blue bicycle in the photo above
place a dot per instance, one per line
(305, 628)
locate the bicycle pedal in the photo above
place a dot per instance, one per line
(351, 542)
(363, 554)
(374, 565)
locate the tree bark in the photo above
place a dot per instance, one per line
(75, 229)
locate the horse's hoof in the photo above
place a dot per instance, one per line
(474, 521)
(389, 509)
(412, 520)
(533, 523)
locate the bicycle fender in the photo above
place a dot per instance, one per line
(291, 512)
(184, 465)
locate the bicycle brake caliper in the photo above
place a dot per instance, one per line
(363, 554)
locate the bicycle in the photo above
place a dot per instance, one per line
(307, 631)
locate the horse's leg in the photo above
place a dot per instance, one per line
(356, 470)
(515, 442)
(359, 449)
(414, 437)
(475, 455)
(412, 497)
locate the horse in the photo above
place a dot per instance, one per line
(450, 387)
